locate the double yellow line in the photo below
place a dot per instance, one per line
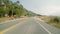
(9, 28)
(2, 32)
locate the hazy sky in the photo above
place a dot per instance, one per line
(44, 7)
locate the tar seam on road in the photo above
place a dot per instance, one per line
(44, 28)
(10, 28)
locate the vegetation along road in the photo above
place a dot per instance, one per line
(28, 26)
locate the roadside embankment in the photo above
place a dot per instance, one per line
(52, 20)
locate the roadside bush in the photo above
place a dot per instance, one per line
(55, 20)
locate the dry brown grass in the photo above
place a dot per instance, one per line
(47, 20)
(6, 18)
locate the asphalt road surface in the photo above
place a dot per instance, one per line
(29, 26)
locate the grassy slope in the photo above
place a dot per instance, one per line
(47, 20)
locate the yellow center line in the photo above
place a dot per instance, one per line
(10, 28)
(0, 33)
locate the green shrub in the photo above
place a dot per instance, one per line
(54, 20)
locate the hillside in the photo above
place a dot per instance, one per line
(9, 8)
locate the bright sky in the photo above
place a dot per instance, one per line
(44, 7)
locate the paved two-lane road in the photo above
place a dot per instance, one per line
(33, 26)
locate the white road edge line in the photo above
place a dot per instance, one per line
(44, 28)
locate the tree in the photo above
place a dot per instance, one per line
(13, 8)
